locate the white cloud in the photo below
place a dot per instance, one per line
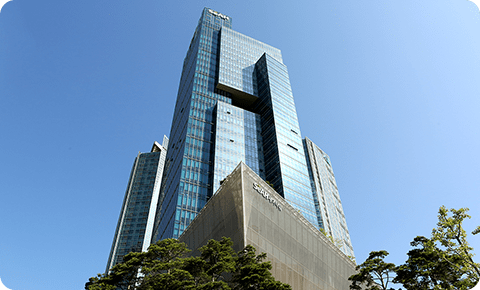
(2, 2)
(3, 287)
(476, 2)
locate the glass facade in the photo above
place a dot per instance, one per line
(234, 104)
(189, 165)
(237, 138)
(285, 160)
(238, 56)
(327, 200)
(135, 224)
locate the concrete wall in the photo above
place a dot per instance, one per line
(249, 211)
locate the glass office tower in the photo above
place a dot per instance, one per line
(135, 224)
(234, 104)
(327, 200)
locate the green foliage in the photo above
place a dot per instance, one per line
(252, 273)
(219, 258)
(450, 234)
(426, 268)
(476, 231)
(375, 273)
(165, 266)
(270, 184)
(122, 276)
(445, 261)
(337, 242)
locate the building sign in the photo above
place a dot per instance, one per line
(218, 14)
(266, 195)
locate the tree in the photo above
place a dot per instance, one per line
(217, 259)
(426, 268)
(450, 234)
(252, 273)
(122, 276)
(445, 261)
(374, 272)
(159, 268)
(165, 266)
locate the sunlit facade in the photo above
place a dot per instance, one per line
(234, 103)
(237, 138)
(135, 224)
(247, 210)
(327, 199)
(226, 69)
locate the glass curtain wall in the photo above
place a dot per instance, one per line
(226, 70)
(327, 198)
(189, 169)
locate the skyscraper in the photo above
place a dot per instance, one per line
(135, 224)
(234, 104)
(327, 200)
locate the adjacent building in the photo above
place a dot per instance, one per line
(327, 200)
(135, 224)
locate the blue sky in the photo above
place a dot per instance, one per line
(389, 89)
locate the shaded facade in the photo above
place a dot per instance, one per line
(327, 199)
(135, 224)
(234, 104)
(249, 211)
